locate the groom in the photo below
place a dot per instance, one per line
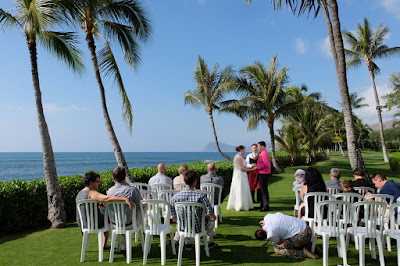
(264, 173)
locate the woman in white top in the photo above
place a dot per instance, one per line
(239, 196)
(179, 179)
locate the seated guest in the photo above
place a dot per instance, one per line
(291, 236)
(360, 181)
(314, 183)
(212, 177)
(386, 186)
(190, 195)
(180, 179)
(91, 181)
(161, 177)
(335, 176)
(299, 179)
(347, 186)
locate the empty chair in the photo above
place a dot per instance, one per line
(160, 187)
(120, 225)
(299, 200)
(216, 190)
(153, 211)
(166, 195)
(394, 229)
(179, 187)
(334, 225)
(372, 218)
(364, 190)
(89, 221)
(140, 186)
(333, 190)
(186, 227)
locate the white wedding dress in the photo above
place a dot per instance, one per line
(239, 196)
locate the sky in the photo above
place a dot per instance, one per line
(220, 31)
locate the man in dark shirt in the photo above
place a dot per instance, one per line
(360, 181)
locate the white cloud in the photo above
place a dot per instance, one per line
(325, 47)
(53, 108)
(392, 6)
(368, 114)
(301, 46)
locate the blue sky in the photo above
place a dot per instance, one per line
(223, 31)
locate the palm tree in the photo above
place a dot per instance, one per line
(35, 19)
(211, 88)
(290, 141)
(368, 47)
(355, 101)
(263, 98)
(331, 14)
(122, 21)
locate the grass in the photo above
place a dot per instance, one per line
(235, 238)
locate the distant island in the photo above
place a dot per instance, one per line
(211, 147)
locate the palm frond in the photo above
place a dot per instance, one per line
(109, 68)
(355, 62)
(255, 121)
(193, 99)
(7, 20)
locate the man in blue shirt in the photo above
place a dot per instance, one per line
(386, 186)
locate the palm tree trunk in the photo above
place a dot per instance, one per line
(341, 149)
(119, 156)
(272, 136)
(215, 136)
(336, 42)
(56, 212)
(379, 110)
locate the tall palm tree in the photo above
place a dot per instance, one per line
(210, 90)
(263, 98)
(35, 19)
(368, 46)
(290, 141)
(125, 23)
(331, 14)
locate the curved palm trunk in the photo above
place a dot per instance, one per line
(56, 212)
(215, 136)
(119, 156)
(341, 149)
(336, 42)
(272, 136)
(379, 110)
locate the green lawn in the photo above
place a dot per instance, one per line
(235, 235)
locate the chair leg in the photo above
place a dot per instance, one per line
(181, 244)
(163, 247)
(197, 248)
(100, 244)
(362, 250)
(205, 240)
(344, 249)
(85, 238)
(141, 238)
(220, 214)
(380, 249)
(372, 248)
(113, 238)
(398, 250)
(172, 243)
(356, 242)
(146, 250)
(128, 236)
(313, 241)
(388, 243)
(339, 247)
(216, 212)
(325, 246)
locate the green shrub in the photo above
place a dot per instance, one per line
(394, 162)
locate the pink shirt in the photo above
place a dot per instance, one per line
(263, 163)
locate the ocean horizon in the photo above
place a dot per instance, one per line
(29, 165)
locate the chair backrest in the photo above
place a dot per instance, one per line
(349, 197)
(180, 187)
(153, 211)
(160, 187)
(337, 216)
(394, 224)
(373, 216)
(140, 186)
(166, 195)
(88, 211)
(189, 214)
(364, 190)
(209, 195)
(299, 197)
(314, 198)
(148, 194)
(334, 190)
(381, 197)
(118, 211)
(215, 189)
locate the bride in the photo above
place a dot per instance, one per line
(240, 196)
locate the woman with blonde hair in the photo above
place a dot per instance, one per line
(179, 179)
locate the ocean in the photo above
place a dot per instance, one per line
(29, 165)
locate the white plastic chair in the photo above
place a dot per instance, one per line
(186, 215)
(148, 194)
(299, 200)
(160, 187)
(335, 225)
(153, 211)
(364, 190)
(315, 197)
(89, 219)
(394, 229)
(215, 189)
(334, 190)
(116, 211)
(140, 186)
(372, 218)
(180, 187)
(166, 195)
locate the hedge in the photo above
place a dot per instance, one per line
(394, 162)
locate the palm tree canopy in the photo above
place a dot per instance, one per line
(368, 46)
(355, 101)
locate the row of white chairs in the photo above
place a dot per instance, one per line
(152, 224)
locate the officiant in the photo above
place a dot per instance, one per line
(251, 159)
